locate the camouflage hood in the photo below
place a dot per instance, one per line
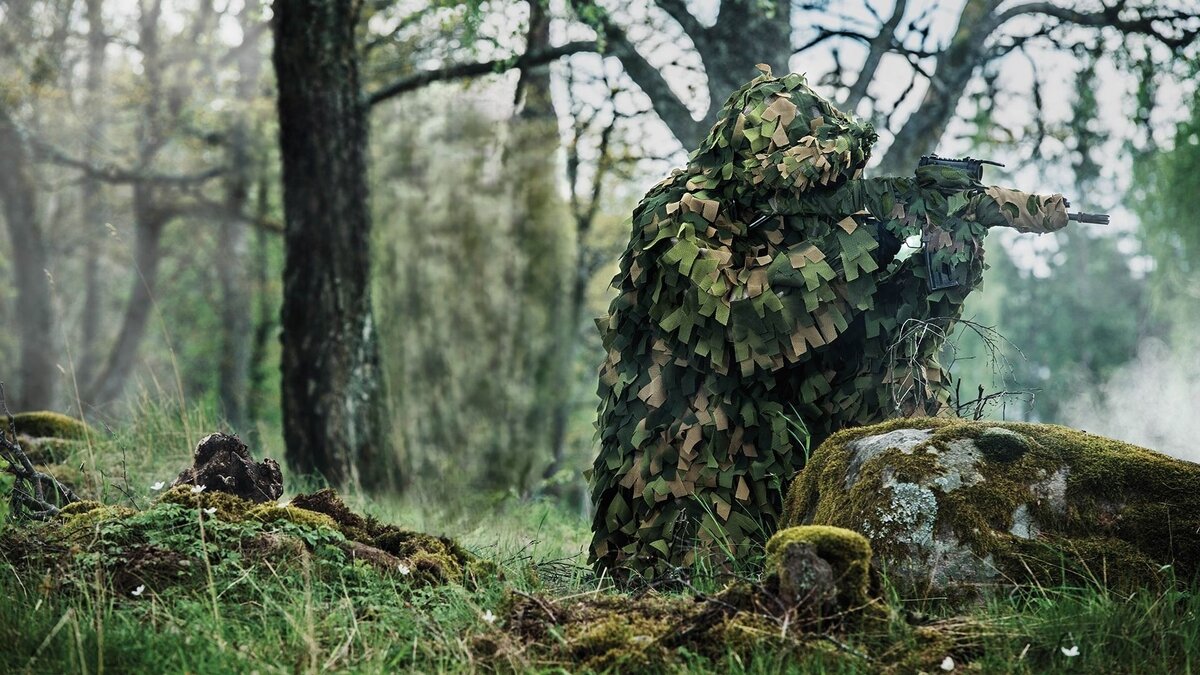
(776, 137)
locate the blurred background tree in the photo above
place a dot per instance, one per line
(508, 142)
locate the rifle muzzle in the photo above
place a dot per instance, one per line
(1093, 218)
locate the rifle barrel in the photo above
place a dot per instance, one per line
(1094, 218)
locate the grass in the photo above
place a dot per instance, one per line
(235, 612)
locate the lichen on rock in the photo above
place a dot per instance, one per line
(950, 505)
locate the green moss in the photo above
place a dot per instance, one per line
(847, 552)
(229, 507)
(433, 560)
(1001, 445)
(46, 424)
(50, 450)
(80, 524)
(350, 524)
(268, 513)
(79, 508)
(622, 643)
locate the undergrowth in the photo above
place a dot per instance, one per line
(213, 598)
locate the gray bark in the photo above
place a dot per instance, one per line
(94, 206)
(233, 374)
(34, 319)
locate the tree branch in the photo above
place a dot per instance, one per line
(879, 46)
(677, 9)
(673, 112)
(464, 70)
(1142, 22)
(29, 490)
(116, 175)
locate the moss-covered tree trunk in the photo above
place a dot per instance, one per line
(334, 407)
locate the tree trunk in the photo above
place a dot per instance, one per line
(94, 208)
(265, 318)
(335, 418)
(34, 320)
(747, 32)
(924, 128)
(541, 345)
(149, 223)
(233, 368)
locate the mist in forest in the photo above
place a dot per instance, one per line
(1150, 401)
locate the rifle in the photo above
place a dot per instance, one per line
(943, 276)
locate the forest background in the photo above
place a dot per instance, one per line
(147, 234)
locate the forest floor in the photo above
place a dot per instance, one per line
(233, 608)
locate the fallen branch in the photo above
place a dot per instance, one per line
(30, 488)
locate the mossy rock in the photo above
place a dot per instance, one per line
(828, 568)
(950, 505)
(47, 424)
(43, 451)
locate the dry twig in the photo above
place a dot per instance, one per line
(31, 487)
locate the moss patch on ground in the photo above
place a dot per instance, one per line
(46, 424)
(188, 530)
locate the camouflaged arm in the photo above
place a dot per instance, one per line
(1025, 212)
(877, 196)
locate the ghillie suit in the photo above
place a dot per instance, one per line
(759, 295)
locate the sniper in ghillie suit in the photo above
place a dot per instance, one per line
(757, 305)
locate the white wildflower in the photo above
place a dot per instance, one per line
(1070, 652)
(947, 664)
(197, 489)
(489, 617)
(210, 511)
(404, 569)
(137, 591)
(157, 486)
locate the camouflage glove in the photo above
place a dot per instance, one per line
(1025, 212)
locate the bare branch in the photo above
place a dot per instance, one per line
(673, 112)
(879, 46)
(1146, 21)
(112, 174)
(29, 489)
(677, 9)
(464, 70)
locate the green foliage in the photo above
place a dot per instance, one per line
(6, 486)
(1075, 323)
(1166, 201)
(470, 288)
